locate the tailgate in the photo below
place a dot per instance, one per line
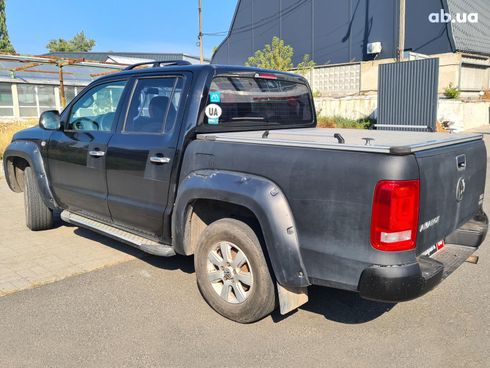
(452, 182)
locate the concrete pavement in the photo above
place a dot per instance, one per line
(29, 259)
(148, 313)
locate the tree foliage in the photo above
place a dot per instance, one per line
(306, 65)
(78, 43)
(275, 56)
(279, 56)
(5, 45)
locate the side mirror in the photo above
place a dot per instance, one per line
(50, 120)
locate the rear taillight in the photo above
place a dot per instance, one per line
(395, 215)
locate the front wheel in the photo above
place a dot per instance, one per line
(38, 215)
(232, 273)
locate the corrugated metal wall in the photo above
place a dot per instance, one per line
(333, 31)
(330, 31)
(407, 96)
(468, 36)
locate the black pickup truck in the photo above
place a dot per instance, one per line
(226, 164)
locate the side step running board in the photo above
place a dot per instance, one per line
(146, 245)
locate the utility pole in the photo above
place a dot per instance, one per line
(201, 56)
(401, 32)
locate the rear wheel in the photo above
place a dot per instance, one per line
(38, 215)
(232, 273)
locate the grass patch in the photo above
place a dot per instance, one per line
(340, 122)
(7, 130)
(451, 92)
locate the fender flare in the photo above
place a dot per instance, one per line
(264, 199)
(30, 152)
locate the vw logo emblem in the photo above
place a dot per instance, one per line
(460, 188)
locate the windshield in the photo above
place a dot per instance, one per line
(245, 101)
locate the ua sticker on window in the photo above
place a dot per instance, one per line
(215, 97)
(213, 112)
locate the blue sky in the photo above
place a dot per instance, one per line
(118, 25)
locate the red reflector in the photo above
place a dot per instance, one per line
(265, 76)
(440, 244)
(395, 215)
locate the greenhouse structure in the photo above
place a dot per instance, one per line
(30, 85)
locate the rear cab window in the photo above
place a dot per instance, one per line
(154, 105)
(241, 102)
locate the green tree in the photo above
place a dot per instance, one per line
(275, 56)
(279, 56)
(306, 65)
(5, 45)
(78, 43)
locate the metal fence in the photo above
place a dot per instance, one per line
(407, 96)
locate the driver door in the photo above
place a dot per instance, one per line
(76, 155)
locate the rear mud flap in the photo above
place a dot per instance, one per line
(291, 298)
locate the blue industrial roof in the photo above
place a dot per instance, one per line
(104, 56)
(471, 37)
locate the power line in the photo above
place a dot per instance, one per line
(277, 15)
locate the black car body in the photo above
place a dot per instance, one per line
(385, 214)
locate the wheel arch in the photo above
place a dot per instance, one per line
(252, 198)
(19, 155)
(202, 212)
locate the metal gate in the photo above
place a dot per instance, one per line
(407, 96)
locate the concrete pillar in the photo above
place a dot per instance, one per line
(37, 101)
(57, 98)
(15, 100)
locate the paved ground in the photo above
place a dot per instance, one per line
(30, 259)
(148, 312)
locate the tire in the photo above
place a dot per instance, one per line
(38, 215)
(244, 281)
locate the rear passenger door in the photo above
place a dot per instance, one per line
(141, 153)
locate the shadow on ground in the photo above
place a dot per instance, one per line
(344, 306)
(340, 306)
(335, 305)
(185, 264)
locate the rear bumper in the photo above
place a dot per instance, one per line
(406, 282)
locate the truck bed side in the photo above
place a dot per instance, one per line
(330, 193)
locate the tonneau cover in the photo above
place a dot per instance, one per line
(394, 142)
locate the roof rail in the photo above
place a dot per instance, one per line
(156, 64)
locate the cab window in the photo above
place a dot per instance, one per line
(154, 104)
(96, 109)
(236, 101)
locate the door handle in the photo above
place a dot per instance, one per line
(159, 160)
(96, 153)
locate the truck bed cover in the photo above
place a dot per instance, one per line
(393, 142)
